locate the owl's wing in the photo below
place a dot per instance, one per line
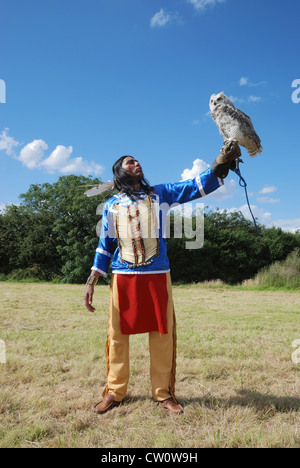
(237, 114)
(244, 120)
(245, 116)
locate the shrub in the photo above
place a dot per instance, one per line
(284, 274)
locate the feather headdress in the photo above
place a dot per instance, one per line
(99, 188)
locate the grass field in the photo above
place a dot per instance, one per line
(235, 375)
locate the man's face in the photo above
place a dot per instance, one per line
(133, 168)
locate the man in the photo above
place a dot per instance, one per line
(141, 294)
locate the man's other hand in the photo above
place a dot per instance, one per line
(88, 297)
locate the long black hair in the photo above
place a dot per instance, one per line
(123, 181)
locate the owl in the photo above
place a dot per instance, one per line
(233, 124)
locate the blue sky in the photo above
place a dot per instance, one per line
(88, 81)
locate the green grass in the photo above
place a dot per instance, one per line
(279, 275)
(235, 375)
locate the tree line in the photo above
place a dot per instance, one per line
(51, 235)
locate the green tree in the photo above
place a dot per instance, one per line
(54, 228)
(52, 233)
(233, 250)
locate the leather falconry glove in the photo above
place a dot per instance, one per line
(226, 159)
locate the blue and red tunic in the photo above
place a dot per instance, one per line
(142, 291)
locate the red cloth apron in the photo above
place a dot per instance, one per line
(143, 301)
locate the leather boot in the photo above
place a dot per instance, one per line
(106, 404)
(172, 406)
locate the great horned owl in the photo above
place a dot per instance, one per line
(233, 124)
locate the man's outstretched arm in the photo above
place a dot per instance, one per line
(206, 182)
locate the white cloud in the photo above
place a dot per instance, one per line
(268, 200)
(203, 118)
(289, 225)
(198, 166)
(268, 189)
(2, 208)
(237, 100)
(244, 81)
(203, 4)
(251, 98)
(32, 153)
(7, 143)
(60, 161)
(265, 218)
(226, 191)
(160, 19)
